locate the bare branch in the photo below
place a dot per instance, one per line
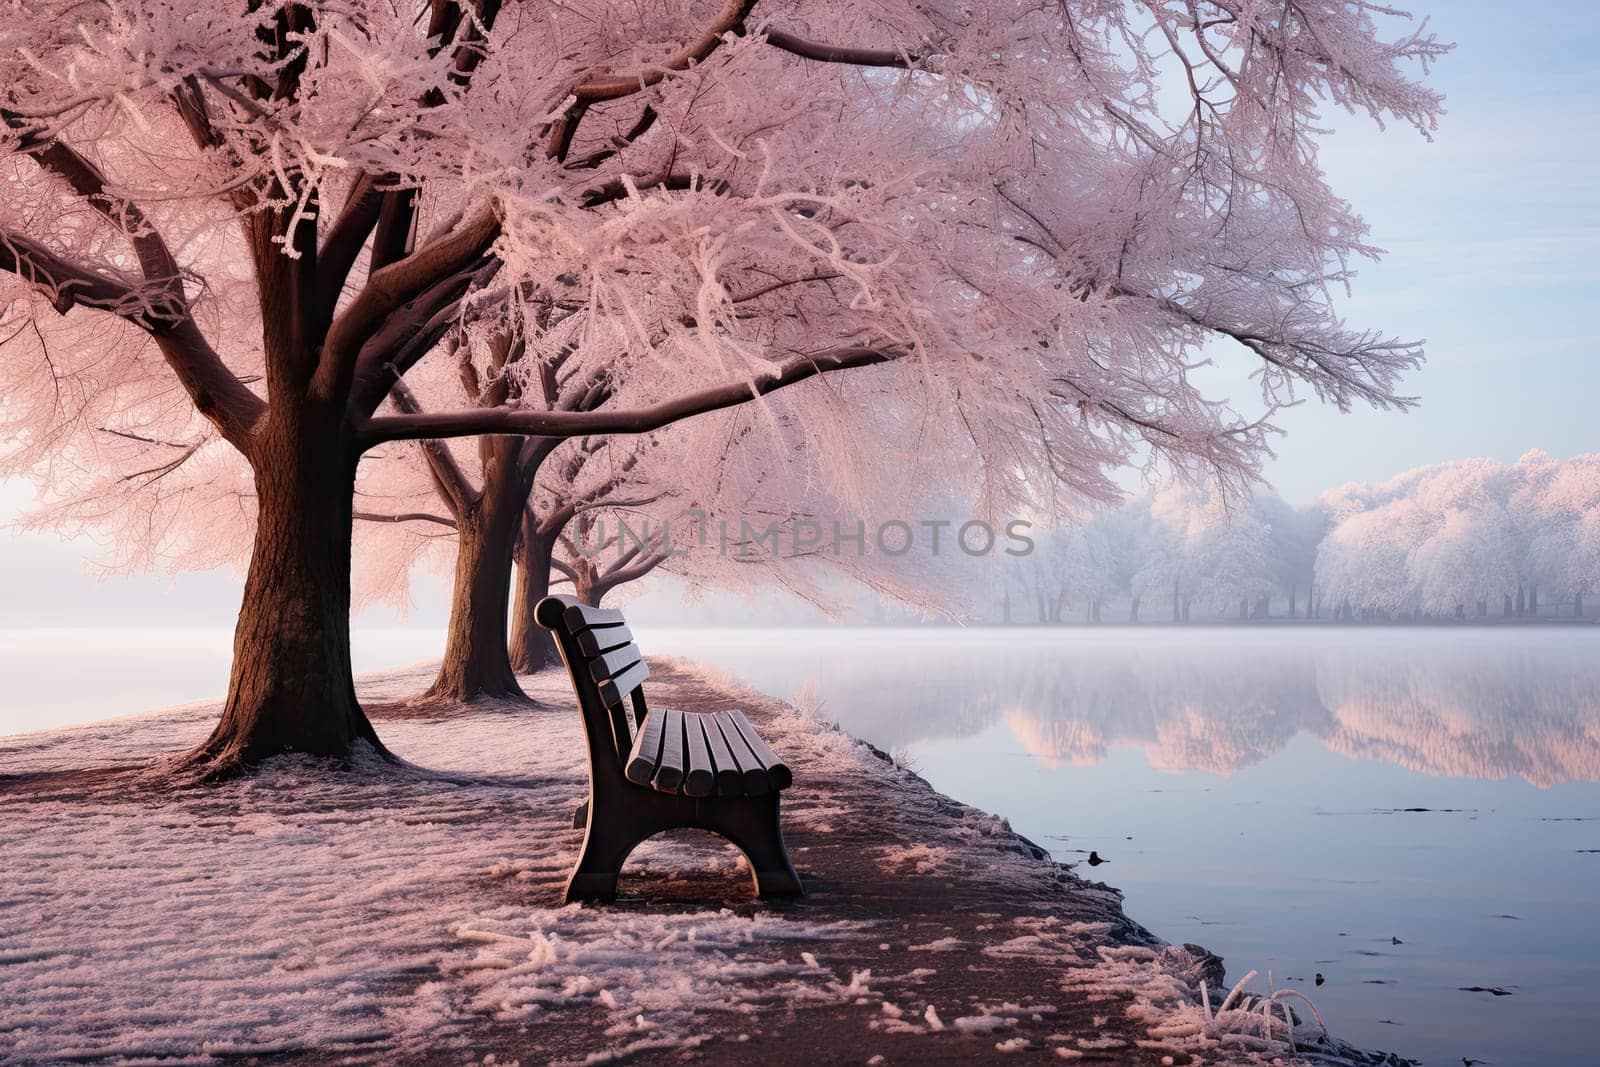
(832, 53)
(215, 390)
(406, 516)
(390, 288)
(411, 333)
(455, 489)
(595, 90)
(639, 420)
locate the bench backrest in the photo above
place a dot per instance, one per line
(607, 671)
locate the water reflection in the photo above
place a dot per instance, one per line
(1461, 706)
(1295, 861)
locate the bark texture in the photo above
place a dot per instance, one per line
(533, 648)
(291, 688)
(476, 662)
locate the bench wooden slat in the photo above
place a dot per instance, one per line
(729, 781)
(751, 771)
(646, 751)
(778, 772)
(701, 777)
(582, 617)
(614, 662)
(603, 639)
(613, 691)
(669, 771)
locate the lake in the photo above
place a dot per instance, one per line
(1405, 812)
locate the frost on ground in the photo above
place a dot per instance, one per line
(412, 913)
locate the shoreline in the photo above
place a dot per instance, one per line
(403, 914)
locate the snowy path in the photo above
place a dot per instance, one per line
(408, 915)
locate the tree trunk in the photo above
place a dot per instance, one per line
(1533, 600)
(589, 589)
(1577, 605)
(476, 661)
(1244, 608)
(1177, 606)
(1133, 610)
(533, 648)
(1507, 611)
(291, 688)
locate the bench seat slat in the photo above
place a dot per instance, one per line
(669, 771)
(778, 772)
(751, 771)
(614, 662)
(603, 639)
(700, 777)
(730, 782)
(646, 751)
(614, 690)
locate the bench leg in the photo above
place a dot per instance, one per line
(605, 849)
(750, 823)
(754, 827)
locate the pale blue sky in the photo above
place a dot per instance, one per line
(1493, 232)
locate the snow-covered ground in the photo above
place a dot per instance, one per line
(412, 914)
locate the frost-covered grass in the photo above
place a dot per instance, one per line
(412, 913)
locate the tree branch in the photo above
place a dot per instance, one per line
(345, 240)
(639, 420)
(595, 90)
(449, 479)
(69, 285)
(214, 389)
(406, 516)
(615, 189)
(390, 288)
(620, 575)
(832, 53)
(411, 333)
(557, 563)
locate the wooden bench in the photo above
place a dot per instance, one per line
(660, 769)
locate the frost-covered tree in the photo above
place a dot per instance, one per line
(1468, 538)
(1205, 550)
(1293, 535)
(277, 210)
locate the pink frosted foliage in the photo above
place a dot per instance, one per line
(1005, 228)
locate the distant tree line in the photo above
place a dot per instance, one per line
(1468, 539)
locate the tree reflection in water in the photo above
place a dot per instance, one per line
(1480, 705)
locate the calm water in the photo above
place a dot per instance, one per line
(1252, 790)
